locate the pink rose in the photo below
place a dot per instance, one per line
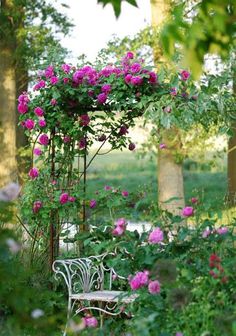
(39, 111)
(131, 146)
(66, 68)
(42, 123)
(125, 193)
(188, 211)
(106, 88)
(29, 123)
(33, 173)
(152, 77)
(194, 200)
(71, 199)
(136, 67)
(107, 187)
(22, 108)
(66, 139)
(43, 139)
(154, 287)
(101, 98)
(84, 120)
(136, 80)
(54, 80)
(184, 75)
(64, 198)
(156, 236)
(173, 91)
(129, 55)
(139, 280)
(118, 231)
(37, 151)
(121, 222)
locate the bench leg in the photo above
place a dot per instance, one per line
(69, 309)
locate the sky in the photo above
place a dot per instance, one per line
(95, 25)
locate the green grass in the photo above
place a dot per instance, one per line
(126, 170)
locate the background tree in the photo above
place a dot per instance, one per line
(28, 30)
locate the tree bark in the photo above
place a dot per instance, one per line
(170, 174)
(8, 167)
(169, 171)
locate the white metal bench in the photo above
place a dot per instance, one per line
(85, 281)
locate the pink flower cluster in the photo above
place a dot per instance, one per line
(65, 198)
(221, 231)
(141, 279)
(23, 100)
(120, 227)
(156, 236)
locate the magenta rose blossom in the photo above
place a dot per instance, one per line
(43, 139)
(82, 143)
(49, 71)
(154, 287)
(136, 80)
(136, 67)
(129, 55)
(90, 322)
(106, 88)
(92, 203)
(131, 146)
(128, 78)
(156, 236)
(33, 173)
(64, 198)
(54, 80)
(107, 187)
(37, 151)
(123, 130)
(29, 123)
(84, 120)
(66, 68)
(42, 123)
(184, 75)
(152, 77)
(39, 111)
(125, 193)
(139, 280)
(194, 200)
(188, 211)
(22, 108)
(102, 97)
(71, 199)
(120, 226)
(37, 206)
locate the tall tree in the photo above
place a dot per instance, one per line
(8, 167)
(169, 171)
(23, 41)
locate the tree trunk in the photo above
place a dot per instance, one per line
(8, 167)
(169, 172)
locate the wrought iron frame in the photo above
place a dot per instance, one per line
(84, 275)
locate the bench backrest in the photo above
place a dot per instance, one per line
(83, 274)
